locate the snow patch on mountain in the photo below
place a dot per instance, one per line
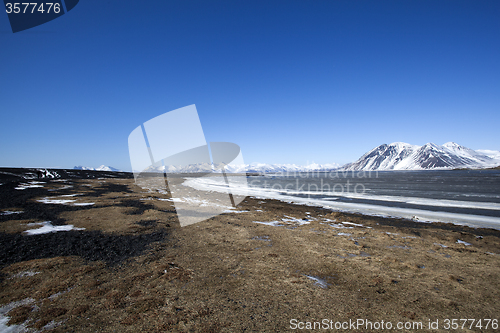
(490, 153)
(404, 156)
(101, 168)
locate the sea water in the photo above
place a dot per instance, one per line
(468, 197)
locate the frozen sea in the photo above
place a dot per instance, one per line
(466, 197)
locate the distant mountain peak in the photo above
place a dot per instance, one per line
(404, 156)
(451, 144)
(431, 145)
(101, 168)
(400, 144)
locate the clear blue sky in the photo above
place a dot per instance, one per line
(289, 81)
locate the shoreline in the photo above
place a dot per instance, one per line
(328, 201)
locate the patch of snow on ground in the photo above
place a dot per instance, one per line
(288, 220)
(462, 242)
(54, 296)
(339, 226)
(272, 223)
(47, 227)
(295, 220)
(55, 201)
(9, 212)
(24, 274)
(51, 200)
(64, 187)
(33, 184)
(50, 326)
(196, 202)
(49, 174)
(4, 319)
(354, 224)
(262, 238)
(318, 281)
(343, 225)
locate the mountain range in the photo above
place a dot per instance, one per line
(250, 168)
(404, 156)
(239, 168)
(394, 156)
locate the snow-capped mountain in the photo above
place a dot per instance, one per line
(242, 168)
(404, 156)
(101, 168)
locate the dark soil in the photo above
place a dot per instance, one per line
(90, 245)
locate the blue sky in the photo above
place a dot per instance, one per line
(288, 81)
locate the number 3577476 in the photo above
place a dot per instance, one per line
(32, 7)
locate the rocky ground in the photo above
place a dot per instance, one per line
(119, 261)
